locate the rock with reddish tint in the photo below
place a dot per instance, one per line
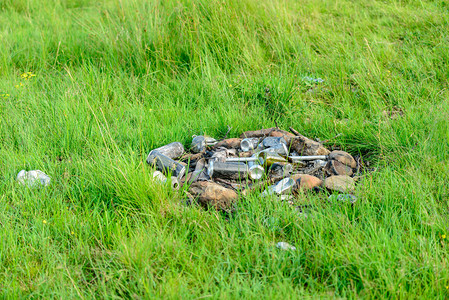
(306, 146)
(229, 143)
(306, 182)
(210, 194)
(340, 183)
(343, 157)
(334, 167)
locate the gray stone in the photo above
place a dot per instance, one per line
(334, 167)
(34, 178)
(305, 146)
(344, 158)
(340, 183)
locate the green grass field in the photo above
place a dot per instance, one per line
(115, 79)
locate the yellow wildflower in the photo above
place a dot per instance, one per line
(45, 221)
(443, 236)
(72, 233)
(27, 75)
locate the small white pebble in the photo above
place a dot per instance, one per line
(285, 246)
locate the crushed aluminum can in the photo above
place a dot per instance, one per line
(282, 187)
(166, 164)
(228, 170)
(249, 144)
(200, 173)
(272, 142)
(285, 246)
(33, 178)
(198, 144)
(174, 182)
(243, 159)
(173, 150)
(319, 163)
(210, 141)
(280, 169)
(270, 158)
(280, 149)
(256, 171)
(307, 157)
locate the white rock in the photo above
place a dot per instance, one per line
(33, 178)
(157, 175)
(285, 246)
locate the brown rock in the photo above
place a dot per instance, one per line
(191, 157)
(341, 183)
(281, 133)
(210, 194)
(306, 182)
(306, 146)
(334, 167)
(343, 157)
(273, 131)
(246, 154)
(257, 133)
(229, 143)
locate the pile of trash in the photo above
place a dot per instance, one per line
(276, 162)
